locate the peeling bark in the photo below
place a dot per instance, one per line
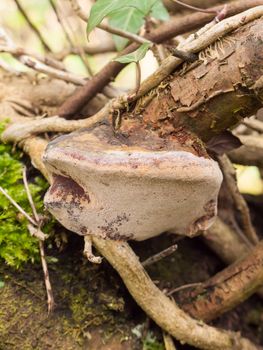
(228, 288)
(210, 95)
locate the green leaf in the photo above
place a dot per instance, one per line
(145, 6)
(134, 56)
(103, 8)
(107, 8)
(159, 11)
(129, 19)
(2, 284)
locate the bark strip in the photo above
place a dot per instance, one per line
(226, 289)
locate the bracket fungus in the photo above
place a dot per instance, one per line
(104, 185)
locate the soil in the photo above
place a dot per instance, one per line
(93, 308)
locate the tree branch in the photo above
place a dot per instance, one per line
(159, 307)
(165, 32)
(231, 286)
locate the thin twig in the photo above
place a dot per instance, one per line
(39, 64)
(34, 63)
(255, 124)
(32, 26)
(15, 204)
(50, 297)
(164, 253)
(26, 288)
(79, 49)
(191, 7)
(186, 56)
(20, 53)
(90, 49)
(8, 68)
(185, 286)
(60, 21)
(30, 199)
(7, 43)
(229, 175)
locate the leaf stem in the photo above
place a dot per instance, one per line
(107, 28)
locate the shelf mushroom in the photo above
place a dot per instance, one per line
(104, 185)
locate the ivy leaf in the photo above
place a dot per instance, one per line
(159, 11)
(128, 19)
(134, 56)
(145, 6)
(102, 9)
(108, 8)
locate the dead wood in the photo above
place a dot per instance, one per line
(34, 94)
(159, 307)
(167, 31)
(250, 153)
(228, 288)
(225, 242)
(210, 95)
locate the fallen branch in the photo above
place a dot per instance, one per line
(225, 242)
(228, 288)
(250, 153)
(255, 124)
(201, 123)
(165, 32)
(159, 307)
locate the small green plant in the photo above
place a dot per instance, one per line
(16, 244)
(128, 15)
(151, 343)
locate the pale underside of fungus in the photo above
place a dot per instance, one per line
(104, 185)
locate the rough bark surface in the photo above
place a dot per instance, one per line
(209, 95)
(228, 288)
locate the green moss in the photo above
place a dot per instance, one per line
(16, 244)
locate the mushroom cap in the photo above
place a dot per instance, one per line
(105, 187)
